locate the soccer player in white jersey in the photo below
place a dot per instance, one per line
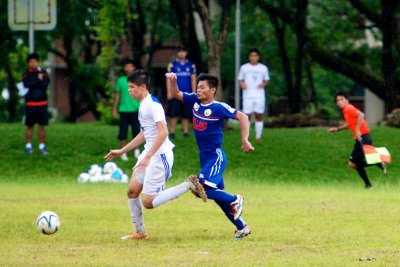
(208, 119)
(154, 165)
(253, 78)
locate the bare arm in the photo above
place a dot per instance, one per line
(360, 118)
(116, 103)
(194, 82)
(245, 128)
(264, 84)
(172, 86)
(242, 84)
(339, 128)
(136, 142)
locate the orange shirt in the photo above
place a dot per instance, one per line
(350, 116)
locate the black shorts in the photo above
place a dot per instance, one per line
(37, 115)
(357, 155)
(176, 108)
(126, 119)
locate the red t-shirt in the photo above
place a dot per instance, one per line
(350, 116)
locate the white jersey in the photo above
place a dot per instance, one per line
(253, 76)
(151, 112)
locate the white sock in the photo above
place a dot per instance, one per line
(259, 125)
(135, 207)
(170, 194)
(41, 145)
(28, 145)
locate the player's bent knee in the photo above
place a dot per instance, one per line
(132, 194)
(147, 201)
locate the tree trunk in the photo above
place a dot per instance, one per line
(136, 29)
(184, 12)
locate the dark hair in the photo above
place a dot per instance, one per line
(182, 48)
(254, 50)
(127, 61)
(139, 77)
(212, 80)
(345, 95)
(32, 56)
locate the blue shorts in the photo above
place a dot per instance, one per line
(212, 169)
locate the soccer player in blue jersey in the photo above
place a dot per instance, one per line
(186, 75)
(208, 120)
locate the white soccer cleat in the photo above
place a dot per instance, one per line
(239, 234)
(237, 207)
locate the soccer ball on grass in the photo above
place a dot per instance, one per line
(48, 222)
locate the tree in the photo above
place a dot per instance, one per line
(215, 44)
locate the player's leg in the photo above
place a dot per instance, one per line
(135, 208)
(29, 122)
(173, 112)
(123, 132)
(42, 120)
(259, 109)
(357, 162)
(247, 108)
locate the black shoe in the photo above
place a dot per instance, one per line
(185, 135)
(171, 136)
(368, 186)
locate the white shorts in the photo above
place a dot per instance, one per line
(253, 105)
(157, 172)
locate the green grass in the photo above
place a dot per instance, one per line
(305, 206)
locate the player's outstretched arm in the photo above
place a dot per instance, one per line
(172, 86)
(245, 128)
(337, 129)
(136, 142)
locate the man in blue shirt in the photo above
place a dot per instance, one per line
(208, 121)
(186, 75)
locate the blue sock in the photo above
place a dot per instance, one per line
(226, 208)
(218, 194)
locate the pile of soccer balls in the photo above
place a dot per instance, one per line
(110, 172)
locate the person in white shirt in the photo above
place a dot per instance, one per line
(154, 165)
(253, 78)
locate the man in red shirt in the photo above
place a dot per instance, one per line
(356, 123)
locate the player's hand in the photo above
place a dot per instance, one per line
(40, 76)
(358, 135)
(244, 87)
(261, 86)
(333, 129)
(247, 147)
(142, 165)
(171, 76)
(115, 113)
(113, 154)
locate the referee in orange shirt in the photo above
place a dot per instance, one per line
(356, 123)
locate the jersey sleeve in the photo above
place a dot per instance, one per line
(194, 71)
(226, 112)
(189, 99)
(158, 112)
(241, 74)
(169, 67)
(266, 74)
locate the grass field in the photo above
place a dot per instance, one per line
(305, 206)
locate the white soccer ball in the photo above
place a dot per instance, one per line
(109, 167)
(48, 222)
(95, 169)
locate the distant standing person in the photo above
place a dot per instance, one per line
(356, 123)
(36, 80)
(186, 72)
(253, 78)
(127, 107)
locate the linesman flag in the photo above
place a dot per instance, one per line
(374, 155)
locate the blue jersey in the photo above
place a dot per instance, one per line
(208, 121)
(184, 73)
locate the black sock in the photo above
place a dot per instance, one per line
(361, 171)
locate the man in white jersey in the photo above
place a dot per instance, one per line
(154, 165)
(253, 78)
